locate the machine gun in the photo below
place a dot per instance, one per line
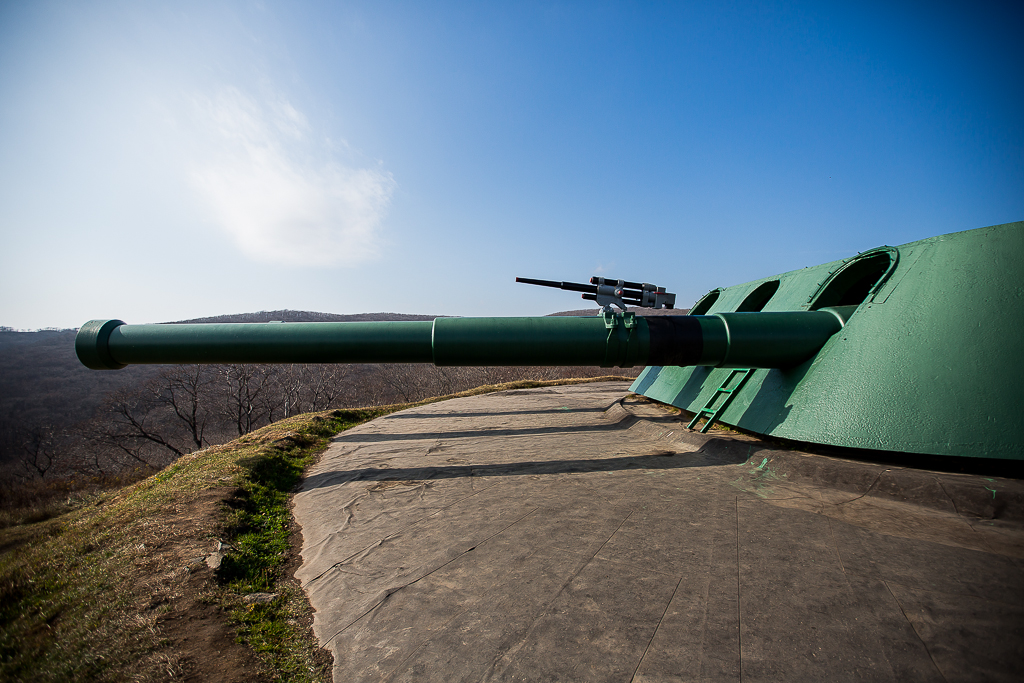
(607, 292)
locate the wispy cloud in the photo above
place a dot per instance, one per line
(277, 198)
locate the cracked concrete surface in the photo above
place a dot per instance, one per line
(565, 533)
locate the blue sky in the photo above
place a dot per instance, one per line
(161, 161)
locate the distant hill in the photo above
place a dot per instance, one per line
(288, 316)
(638, 311)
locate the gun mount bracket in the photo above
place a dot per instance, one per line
(613, 322)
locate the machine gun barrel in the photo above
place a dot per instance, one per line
(568, 286)
(633, 297)
(743, 340)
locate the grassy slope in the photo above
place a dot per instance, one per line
(71, 588)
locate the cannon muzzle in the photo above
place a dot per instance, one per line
(737, 340)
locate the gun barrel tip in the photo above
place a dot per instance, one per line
(91, 345)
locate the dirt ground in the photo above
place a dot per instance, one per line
(176, 594)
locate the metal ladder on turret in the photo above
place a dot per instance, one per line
(709, 411)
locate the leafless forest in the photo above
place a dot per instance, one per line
(65, 429)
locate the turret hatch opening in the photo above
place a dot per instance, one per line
(759, 298)
(706, 302)
(852, 284)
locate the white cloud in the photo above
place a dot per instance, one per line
(279, 201)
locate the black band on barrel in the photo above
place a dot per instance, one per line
(675, 340)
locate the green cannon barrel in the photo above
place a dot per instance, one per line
(762, 340)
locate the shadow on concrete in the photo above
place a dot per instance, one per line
(456, 413)
(655, 460)
(364, 437)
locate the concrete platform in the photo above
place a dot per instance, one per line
(575, 534)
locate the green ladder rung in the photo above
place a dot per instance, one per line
(710, 421)
(712, 413)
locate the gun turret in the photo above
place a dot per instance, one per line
(931, 325)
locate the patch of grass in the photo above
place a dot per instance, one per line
(260, 524)
(61, 612)
(258, 529)
(39, 500)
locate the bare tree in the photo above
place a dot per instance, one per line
(502, 374)
(10, 438)
(246, 387)
(186, 390)
(444, 381)
(326, 385)
(128, 424)
(400, 378)
(38, 450)
(87, 455)
(376, 386)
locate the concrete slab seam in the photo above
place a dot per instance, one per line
(391, 592)
(835, 544)
(706, 601)
(630, 565)
(656, 629)
(873, 484)
(470, 606)
(395, 533)
(911, 622)
(953, 503)
(565, 584)
(394, 672)
(739, 595)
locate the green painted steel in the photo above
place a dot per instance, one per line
(378, 342)
(618, 341)
(541, 341)
(929, 362)
(768, 340)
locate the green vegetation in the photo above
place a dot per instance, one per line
(64, 613)
(82, 594)
(258, 529)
